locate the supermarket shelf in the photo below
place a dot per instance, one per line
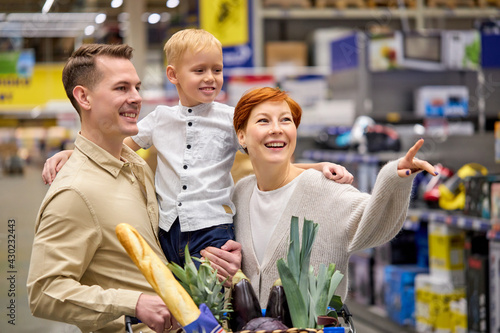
(493, 235)
(455, 219)
(349, 157)
(377, 13)
(332, 13)
(415, 216)
(461, 12)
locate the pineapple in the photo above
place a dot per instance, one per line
(202, 285)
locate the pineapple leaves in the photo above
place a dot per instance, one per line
(202, 284)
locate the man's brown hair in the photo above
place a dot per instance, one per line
(81, 69)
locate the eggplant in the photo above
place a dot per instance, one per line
(264, 324)
(244, 301)
(277, 306)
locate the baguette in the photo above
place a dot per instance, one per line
(177, 300)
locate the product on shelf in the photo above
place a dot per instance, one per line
(433, 297)
(458, 312)
(450, 3)
(431, 189)
(477, 286)
(286, 53)
(495, 206)
(497, 141)
(399, 251)
(442, 101)
(477, 196)
(382, 138)
(494, 285)
(477, 294)
(392, 3)
(287, 3)
(452, 192)
(400, 292)
(446, 253)
(340, 4)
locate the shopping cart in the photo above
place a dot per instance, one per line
(129, 321)
(343, 313)
(346, 316)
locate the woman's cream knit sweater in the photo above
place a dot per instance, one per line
(348, 221)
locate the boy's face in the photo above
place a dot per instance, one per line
(197, 76)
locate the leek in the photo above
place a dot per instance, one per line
(308, 295)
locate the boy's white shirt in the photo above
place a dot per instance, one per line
(196, 148)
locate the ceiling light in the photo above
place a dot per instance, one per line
(89, 30)
(172, 3)
(47, 5)
(154, 18)
(100, 18)
(116, 3)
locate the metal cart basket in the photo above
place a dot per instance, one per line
(343, 313)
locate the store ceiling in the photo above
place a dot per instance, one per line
(64, 6)
(68, 18)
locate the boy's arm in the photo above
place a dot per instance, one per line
(131, 143)
(331, 171)
(54, 164)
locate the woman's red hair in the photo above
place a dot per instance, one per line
(257, 96)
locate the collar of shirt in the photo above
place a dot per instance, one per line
(104, 159)
(198, 110)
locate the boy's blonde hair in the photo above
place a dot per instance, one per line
(193, 40)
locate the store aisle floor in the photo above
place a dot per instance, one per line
(20, 198)
(372, 320)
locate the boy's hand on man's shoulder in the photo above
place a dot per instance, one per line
(53, 165)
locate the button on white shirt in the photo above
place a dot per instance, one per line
(196, 148)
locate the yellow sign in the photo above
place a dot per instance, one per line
(227, 20)
(19, 93)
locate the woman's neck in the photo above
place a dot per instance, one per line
(273, 177)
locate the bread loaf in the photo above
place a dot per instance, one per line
(178, 301)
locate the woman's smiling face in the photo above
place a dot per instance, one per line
(270, 134)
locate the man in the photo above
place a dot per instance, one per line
(79, 272)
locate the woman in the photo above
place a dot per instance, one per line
(266, 121)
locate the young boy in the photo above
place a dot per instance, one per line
(196, 145)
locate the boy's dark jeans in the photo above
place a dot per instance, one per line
(173, 242)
